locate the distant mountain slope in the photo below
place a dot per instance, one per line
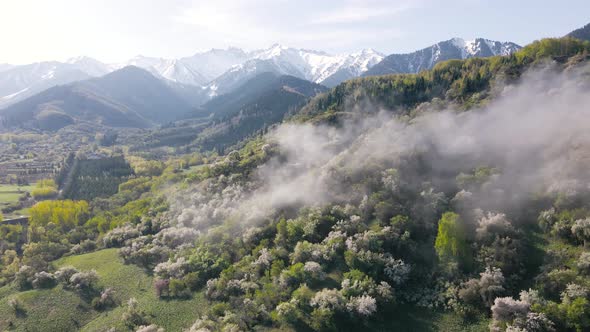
(263, 84)
(20, 82)
(210, 64)
(129, 97)
(261, 102)
(170, 69)
(211, 73)
(451, 49)
(315, 66)
(63, 105)
(90, 66)
(581, 33)
(140, 91)
(228, 119)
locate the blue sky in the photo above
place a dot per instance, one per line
(114, 30)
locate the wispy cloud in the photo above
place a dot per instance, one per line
(362, 11)
(329, 25)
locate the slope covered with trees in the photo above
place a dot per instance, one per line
(228, 119)
(582, 33)
(464, 83)
(450, 210)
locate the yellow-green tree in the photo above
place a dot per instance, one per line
(67, 214)
(44, 189)
(451, 242)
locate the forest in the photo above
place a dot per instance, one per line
(444, 200)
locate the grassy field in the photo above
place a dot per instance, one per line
(10, 194)
(62, 310)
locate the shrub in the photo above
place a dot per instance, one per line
(133, 316)
(584, 263)
(507, 309)
(44, 189)
(170, 269)
(44, 280)
(83, 281)
(162, 287)
(364, 305)
(16, 305)
(105, 300)
(64, 274)
(118, 236)
(83, 247)
(328, 299)
(150, 328)
(179, 289)
(581, 230)
(24, 277)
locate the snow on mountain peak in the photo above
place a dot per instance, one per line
(314, 65)
(89, 65)
(482, 47)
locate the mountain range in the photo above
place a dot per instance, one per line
(50, 94)
(128, 97)
(426, 58)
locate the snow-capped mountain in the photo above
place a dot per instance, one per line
(20, 82)
(210, 64)
(170, 69)
(228, 68)
(455, 48)
(218, 71)
(198, 69)
(315, 66)
(481, 47)
(90, 66)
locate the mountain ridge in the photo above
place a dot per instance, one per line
(426, 58)
(128, 97)
(581, 33)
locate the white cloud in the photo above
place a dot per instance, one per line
(307, 23)
(361, 11)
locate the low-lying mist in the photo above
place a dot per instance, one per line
(536, 135)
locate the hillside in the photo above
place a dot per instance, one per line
(445, 200)
(464, 84)
(262, 102)
(129, 97)
(64, 310)
(225, 120)
(20, 82)
(582, 33)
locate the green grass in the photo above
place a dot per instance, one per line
(63, 310)
(45, 310)
(10, 194)
(9, 197)
(15, 188)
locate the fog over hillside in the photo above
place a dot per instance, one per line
(532, 135)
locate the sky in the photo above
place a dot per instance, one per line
(116, 30)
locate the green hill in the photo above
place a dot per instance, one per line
(581, 33)
(428, 216)
(57, 309)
